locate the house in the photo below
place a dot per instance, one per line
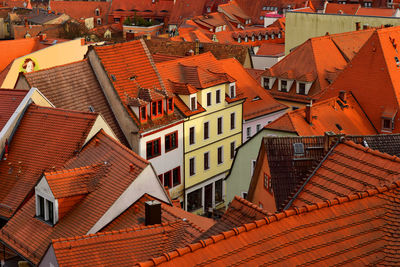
(373, 80)
(40, 16)
(267, 55)
(63, 86)
(211, 101)
(50, 56)
(284, 164)
(351, 229)
(81, 196)
(35, 146)
(304, 73)
(260, 108)
(144, 109)
(341, 114)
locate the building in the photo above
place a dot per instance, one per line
(211, 102)
(144, 109)
(267, 55)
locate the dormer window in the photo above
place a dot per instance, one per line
(232, 90)
(267, 182)
(239, 40)
(283, 86)
(193, 103)
(387, 124)
(208, 9)
(246, 39)
(45, 209)
(143, 113)
(272, 36)
(302, 88)
(97, 12)
(266, 36)
(98, 21)
(156, 108)
(259, 37)
(266, 83)
(170, 105)
(252, 38)
(279, 35)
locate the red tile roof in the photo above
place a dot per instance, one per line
(158, 57)
(329, 115)
(258, 100)
(124, 247)
(353, 229)
(271, 49)
(377, 12)
(39, 144)
(184, 9)
(9, 101)
(348, 168)
(17, 48)
(143, 8)
(74, 86)
(135, 215)
(107, 188)
(82, 9)
(373, 78)
(348, 9)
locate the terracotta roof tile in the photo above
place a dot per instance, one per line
(9, 101)
(182, 88)
(184, 9)
(74, 86)
(82, 9)
(39, 144)
(353, 229)
(349, 168)
(377, 12)
(330, 115)
(118, 175)
(123, 247)
(271, 49)
(348, 9)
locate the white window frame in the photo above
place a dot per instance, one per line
(46, 209)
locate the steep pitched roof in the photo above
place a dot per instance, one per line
(122, 167)
(135, 215)
(184, 9)
(353, 229)
(332, 115)
(17, 48)
(239, 212)
(258, 101)
(132, 245)
(271, 49)
(74, 86)
(9, 101)
(348, 9)
(373, 77)
(348, 168)
(45, 138)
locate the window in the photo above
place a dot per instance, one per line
(191, 136)
(117, 20)
(258, 127)
(218, 191)
(195, 200)
(171, 141)
(176, 176)
(41, 207)
(302, 88)
(397, 61)
(267, 182)
(97, 12)
(153, 148)
(143, 113)
(206, 161)
(154, 108)
(218, 97)
(192, 167)
(170, 105)
(98, 21)
(193, 104)
(232, 91)
(283, 86)
(232, 150)
(219, 125)
(233, 121)
(167, 179)
(206, 130)
(272, 36)
(387, 124)
(159, 110)
(248, 130)
(244, 195)
(50, 209)
(266, 36)
(208, 99)
(220, 156)
(253, 166)
(266, 83)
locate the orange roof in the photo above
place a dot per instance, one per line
(143, 8)
(115, 158)
(17, 48)
(353, 229)
(329, 115)
(9, 101)
(373, 77)
(135, 215)
(348, 9)
(124, 247)
(233, 10)
(348, 168)
(377, 12)
(184, 9)
(271, 49)
(39, 144)
(82, 9)
(316, 58)
(258, 101)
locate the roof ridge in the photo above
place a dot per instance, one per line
(251, 205)
(54, 67)
(40, 109)
(268, 220)
(371, 151)
(125, 230)
(88, 167)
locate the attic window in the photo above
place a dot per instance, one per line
(283, 86)
(386, 124)
(45, 209)
(298, 149)
(266, 83)
(97, 12)
(338, 126)
(302, 88)
(113, 77)
(397, 61)
(91, 109)
(98, 21)
(256, 98)
(132, 78)
(267, 182)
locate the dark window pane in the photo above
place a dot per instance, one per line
(176, 176)
(167, 179)
(160, 107)
(41, 206)
(194, 200)
(219, 126)
(206, 161)
(218, 191)
(51, 211)
(154, 108)
(149, 150)
(191, 166)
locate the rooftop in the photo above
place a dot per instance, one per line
(9, 101)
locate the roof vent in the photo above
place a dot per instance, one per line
(132, 78)
(298, 148)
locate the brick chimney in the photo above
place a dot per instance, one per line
(329, 139)
(152, 212)
(309, 114)
(342, 96)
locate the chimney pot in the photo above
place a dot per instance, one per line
(152, 212)
(308, 114)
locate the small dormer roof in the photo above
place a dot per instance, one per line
(136, 102)
(149, 95)
(182, 88)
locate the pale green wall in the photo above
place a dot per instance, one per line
(302, 26)
(239, 179)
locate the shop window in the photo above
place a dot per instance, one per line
(194, 200)
(218, 191)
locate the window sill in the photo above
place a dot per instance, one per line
(44, 221)
(171, 149)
